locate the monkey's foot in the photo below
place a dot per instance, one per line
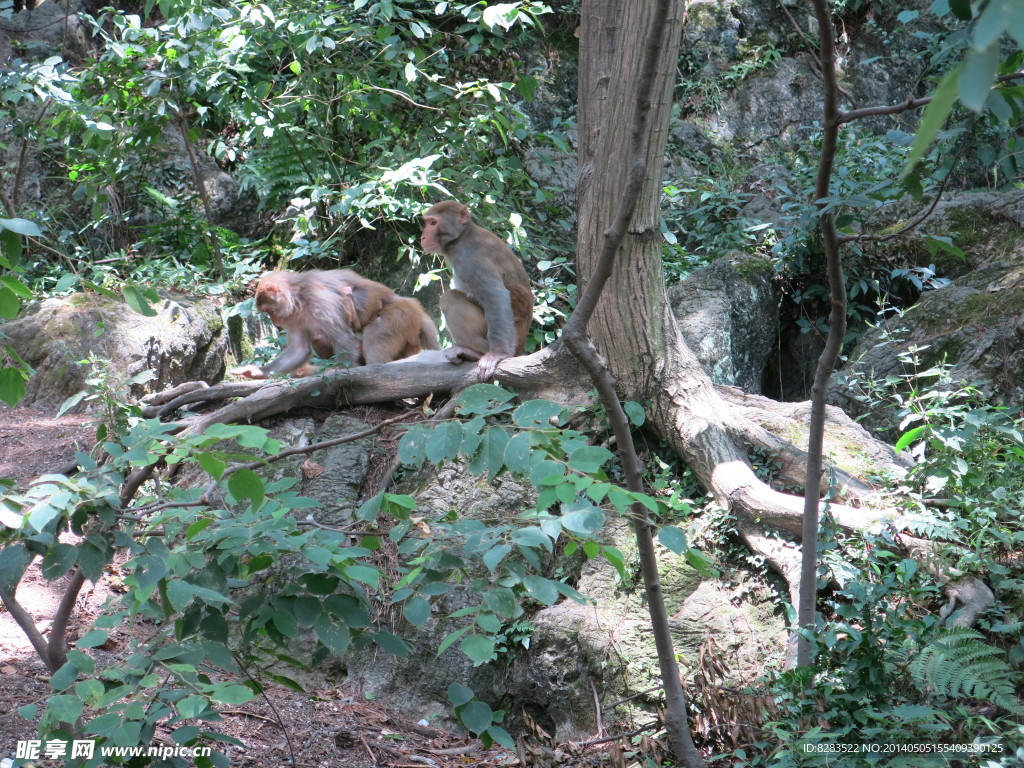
(457, 355)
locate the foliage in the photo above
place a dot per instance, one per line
(708, 214)
(890, 670)
(882, 686)
(228, 569)
(339, 122)
(959, 664)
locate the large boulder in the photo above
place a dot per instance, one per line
(184, 341)
(552, 663)
(728, 314)
(975, 325)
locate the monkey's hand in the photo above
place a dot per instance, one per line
(485, 368)
(248, 372)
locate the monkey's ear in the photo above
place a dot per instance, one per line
(463, 217)
(271, 289)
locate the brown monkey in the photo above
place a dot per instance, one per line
(490, 306)
(323, 310)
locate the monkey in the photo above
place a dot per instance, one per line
(490, 305)
(324, 310)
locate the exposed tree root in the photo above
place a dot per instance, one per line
(705, 425)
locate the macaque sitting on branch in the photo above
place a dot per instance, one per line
(490, 306)
(338, 314)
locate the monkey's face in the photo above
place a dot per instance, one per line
(273, 300)
(435, 234)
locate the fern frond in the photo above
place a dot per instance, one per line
(959, 664)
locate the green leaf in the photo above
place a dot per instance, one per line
(979, 73)
(991, 24)
(500, 736)
(934, 116)
(443, 445)
(961, 9)
(64, 677)
(66, 709)
(137, 299)
(14, 559)
(541, 589)
(585, 519)
(28, 711)
(212, 465)
(287, 682)
(92, 560)
(93, 639)
(613, 556)
(89, 691)
(476, 716)
(417, 611)
(673, 539)
(66, 282)
(10, 249)
(589, 459)
(908, 438)
(527, 86)
(335, 637)
(478, 648)
(495, 555)
(245, 484)
(537, 414)
(16, 286)
(59, 561)
(488, 622)
(701, 562)
(635, 413)
(517, 453)
(502, 601)
(12, 386)
(286, 624)
(186, 734)
(458, 694)
(490, 454)
(191, 706)
(392, 644)
(9, 304)
(232, 693)
(179, 593)
(483, 399)
(307, 610)
(533, 537)
(363, 573)
(21, 227)
(451, 637)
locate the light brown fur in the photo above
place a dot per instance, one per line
(323, 310)
(490, 307)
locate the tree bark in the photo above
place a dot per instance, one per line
(623, 132)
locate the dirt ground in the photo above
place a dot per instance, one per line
(331, 727)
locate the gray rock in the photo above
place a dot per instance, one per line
(185, 341)
(728, 314)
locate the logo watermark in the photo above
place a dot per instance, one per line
(54, 749)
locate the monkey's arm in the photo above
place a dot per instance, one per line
(496, 301)
(297, 352)
(488, 290)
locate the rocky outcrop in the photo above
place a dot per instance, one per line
(184, 341)
(728, 314)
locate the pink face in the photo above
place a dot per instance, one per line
(431, 237)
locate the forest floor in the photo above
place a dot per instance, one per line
(328, 727)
